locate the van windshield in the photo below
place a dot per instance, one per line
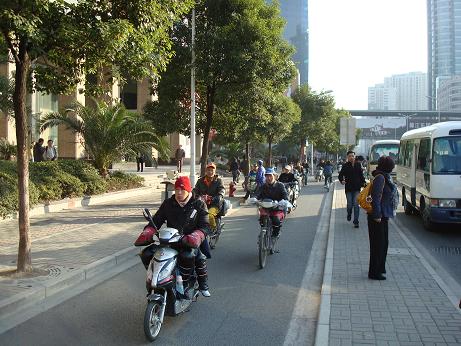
(447, 155)
(379, 150)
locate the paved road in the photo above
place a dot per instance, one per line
(442, 247)
(248, 307)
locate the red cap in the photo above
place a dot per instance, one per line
(211, 164)
(183, 182)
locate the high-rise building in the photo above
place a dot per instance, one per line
(400, 92)
(296, 31)
(381, 97)
(444, 44)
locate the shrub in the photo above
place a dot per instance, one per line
(93, 183)
(122, 181)
(9, 194)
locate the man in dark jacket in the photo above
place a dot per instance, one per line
(276, 191)
(212, 186)
(351, 175)
(39, 150)
(189, 216)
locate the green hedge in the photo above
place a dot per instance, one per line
(55, 180)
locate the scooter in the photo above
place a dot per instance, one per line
(164, 281)
(293, 194)
(319, 174)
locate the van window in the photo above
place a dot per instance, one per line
(408, 154)
(424, 154)
(447, 155)
(403, 146)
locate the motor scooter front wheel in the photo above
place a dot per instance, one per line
(152, 320)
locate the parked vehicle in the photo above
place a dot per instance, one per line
(167, 295)
(429, 172)
(386, 147)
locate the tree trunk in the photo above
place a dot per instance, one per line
(247, 156)
(19, 100)
(301, 150)
(269, 160)
(206, 133)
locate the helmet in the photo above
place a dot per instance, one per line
(260, 162)
(270, 170)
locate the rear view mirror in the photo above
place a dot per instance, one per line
(148, 216)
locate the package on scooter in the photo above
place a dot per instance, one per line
(226, 205)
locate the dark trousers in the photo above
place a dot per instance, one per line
(179, 163)
(140, 165)
(378, 234)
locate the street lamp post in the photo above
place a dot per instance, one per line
(407, 117)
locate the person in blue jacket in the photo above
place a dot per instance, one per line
(260, 174)
(383, 192)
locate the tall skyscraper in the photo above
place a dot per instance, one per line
(297, 32)
(444, 43)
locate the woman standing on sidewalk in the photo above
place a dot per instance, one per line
(382, 193)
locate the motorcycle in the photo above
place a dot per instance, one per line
(293, 193)
(167, 295)
(216, 232)
(319, 174)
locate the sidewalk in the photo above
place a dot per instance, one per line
(409, 308)
(72, 250)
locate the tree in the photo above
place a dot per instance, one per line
(57, 42)
(238, 45)
(317, 117)
(109, 132)
(284, 113)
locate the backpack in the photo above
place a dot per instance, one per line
(364, 198)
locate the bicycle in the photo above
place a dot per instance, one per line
(266, 242)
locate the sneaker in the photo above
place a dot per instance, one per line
(356, 225)
(349, 217)
(205, 293)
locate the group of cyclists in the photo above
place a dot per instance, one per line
(195, 217)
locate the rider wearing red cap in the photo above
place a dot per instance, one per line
(211, 185)
(189, 216)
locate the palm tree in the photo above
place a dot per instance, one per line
(108, 132)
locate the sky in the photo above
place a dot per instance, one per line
(355, 44)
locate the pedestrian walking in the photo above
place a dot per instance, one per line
(260, 174)
(235, 170)
(50, 153)
(179, 157)
(39, 150)
(351, 175)
(384, 203)
(140, 162)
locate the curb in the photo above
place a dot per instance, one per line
(14, 310)
(11, 308)
(322, 333)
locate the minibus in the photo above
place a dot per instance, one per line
(385, 147)
(429, 173)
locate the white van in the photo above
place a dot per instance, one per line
(429, 172)
(385, 147)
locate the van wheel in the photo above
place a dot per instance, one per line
(425, 215)
(407, 207)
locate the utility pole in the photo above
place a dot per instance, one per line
(192, 106)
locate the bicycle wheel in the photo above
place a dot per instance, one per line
(263, 244)
(213, 240)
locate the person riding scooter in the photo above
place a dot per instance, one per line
(188, 214)
(211, 185)
(275, 191)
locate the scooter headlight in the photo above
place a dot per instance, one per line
(166, 270)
